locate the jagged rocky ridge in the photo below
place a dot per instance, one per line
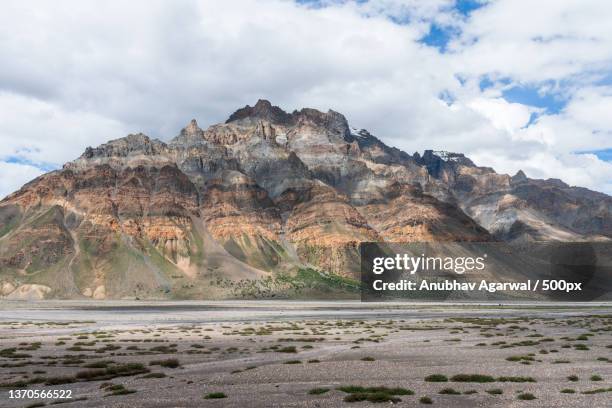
(241, 207)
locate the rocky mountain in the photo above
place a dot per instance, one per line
(267, 204)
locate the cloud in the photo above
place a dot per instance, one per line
(505, 116)
(75, 75)
(557, 40)
(14, 175)
(44, 133)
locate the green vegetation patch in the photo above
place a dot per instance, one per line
(287, 349)
(118, 389)
(516, 379)
(309, 278)
(119, 370)
(478, 378)
(373, 394)
(436, 378)
(215, 395)
(168, 363)
(597, 391)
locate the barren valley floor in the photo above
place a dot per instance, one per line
(307, 354)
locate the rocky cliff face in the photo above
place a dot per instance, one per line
(238, 208)
(519, 208)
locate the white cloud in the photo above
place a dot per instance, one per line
(74, 75)
(14, 175)
(550, 40)
(592, 108)
(44, 132)
(509, 117)
(584, 170)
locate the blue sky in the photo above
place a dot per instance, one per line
(23, 161)
(440, 74)
(439, 35)
(547, 97)
(603, 154)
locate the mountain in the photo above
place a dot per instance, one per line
(267, 204)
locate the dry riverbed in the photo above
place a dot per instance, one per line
(308, 355)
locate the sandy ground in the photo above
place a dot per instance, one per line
(272, 354)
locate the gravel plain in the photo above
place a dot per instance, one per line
(307, 354)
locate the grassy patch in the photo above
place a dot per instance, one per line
(318, 391)
(377, 397)
(516, 379)
(449, 391)
(118, 390)
(479, 378)
(12, 353)
(494, 391)
(98, 364)
(373, 394)
(60, 380)
(597, 391)
(311, 278)
(154, 375)
(520, 358)
(110, 372)
(352, 389)
(425, 400)
(436, 378)
(526, 396)
(215, 395)
(119, 370)
(168, 363)
(287, 349)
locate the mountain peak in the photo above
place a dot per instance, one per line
(263, 109)
(193, 125)
(122, 147)
(263, 104)
(192, 129)
(519, 176)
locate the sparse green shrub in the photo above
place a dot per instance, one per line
(436, 378)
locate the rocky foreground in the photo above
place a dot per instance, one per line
(279, 355)
(268, 204)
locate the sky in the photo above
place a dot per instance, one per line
(513, 84)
